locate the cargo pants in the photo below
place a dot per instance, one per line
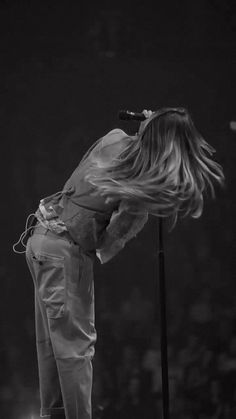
(64, 317)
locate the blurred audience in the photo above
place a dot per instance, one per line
(127, 364)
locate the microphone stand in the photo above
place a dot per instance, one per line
(127, 115)
(164, 346)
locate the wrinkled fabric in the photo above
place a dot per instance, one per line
(61, 264)
(93, 221)
(64, 317)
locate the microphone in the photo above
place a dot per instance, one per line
(131, 116)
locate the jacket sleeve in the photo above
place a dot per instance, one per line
(123, 226)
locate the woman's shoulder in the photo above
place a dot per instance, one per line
(114, 135)
(114, 142)
(111, 144)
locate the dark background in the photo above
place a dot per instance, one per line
(67, 67)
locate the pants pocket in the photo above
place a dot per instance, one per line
(50, 282)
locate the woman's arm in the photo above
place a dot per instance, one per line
(123, 226)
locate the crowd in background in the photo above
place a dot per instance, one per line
(202, 362)
(127, 363)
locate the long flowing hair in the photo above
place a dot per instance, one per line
(164, 171)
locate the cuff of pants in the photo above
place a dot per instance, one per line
(51, 410)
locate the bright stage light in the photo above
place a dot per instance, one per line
(232, 125)
(30, 416)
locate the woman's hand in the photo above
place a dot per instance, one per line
(146, 113)
(143, 124)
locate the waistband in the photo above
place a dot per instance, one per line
(39, 229)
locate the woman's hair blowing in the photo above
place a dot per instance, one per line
(164, 171)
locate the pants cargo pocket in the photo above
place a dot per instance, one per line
(50, 282)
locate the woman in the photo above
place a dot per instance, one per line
(163, 170)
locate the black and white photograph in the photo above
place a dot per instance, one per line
(118, 158)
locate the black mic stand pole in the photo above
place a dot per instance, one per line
(164, 349)
(164, 346)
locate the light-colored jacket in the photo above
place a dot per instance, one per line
(94, 223)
